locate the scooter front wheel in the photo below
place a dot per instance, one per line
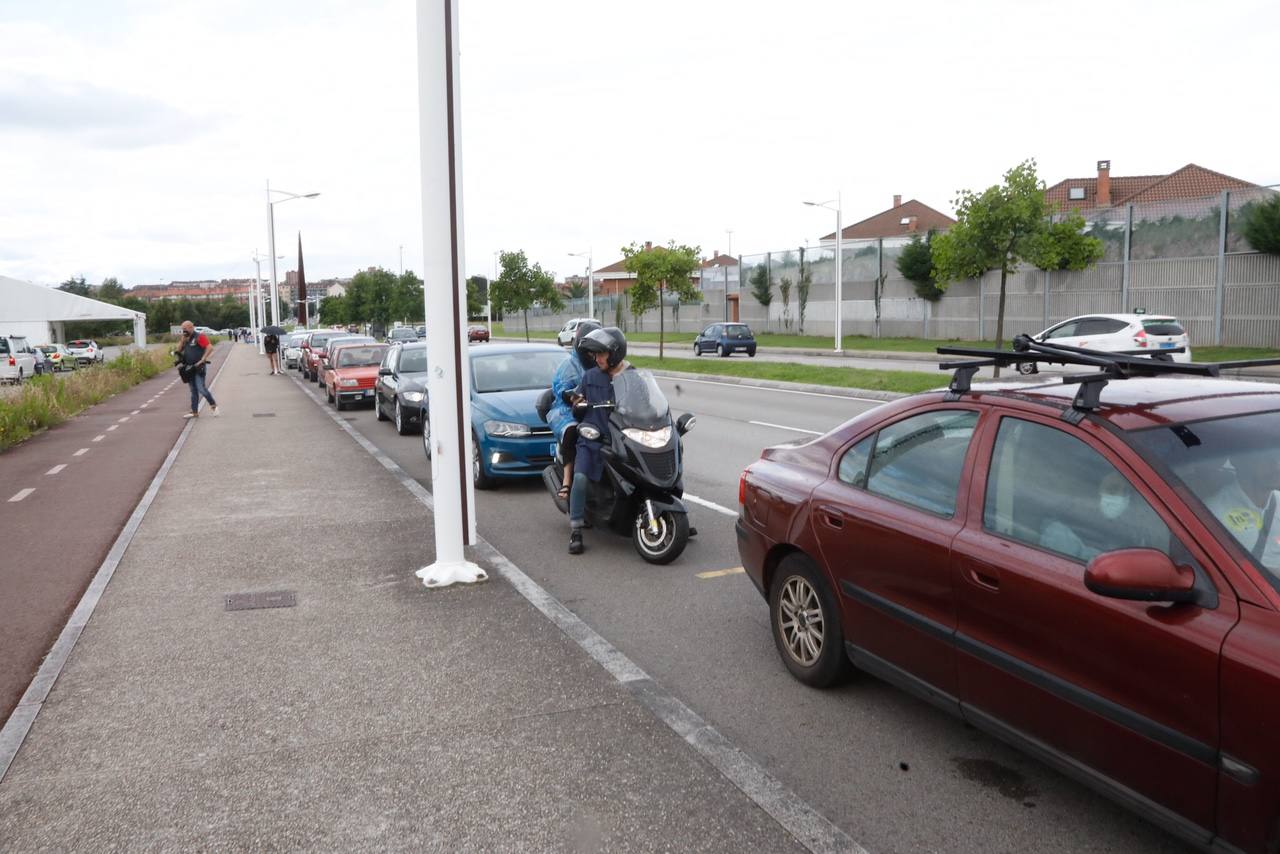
(665, 544)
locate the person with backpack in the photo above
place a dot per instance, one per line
(271, 343)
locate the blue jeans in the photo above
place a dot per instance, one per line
(198, 389)
(578, 500)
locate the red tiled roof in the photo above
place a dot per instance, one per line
(889, 223)
(1189, 182)
(720, 260)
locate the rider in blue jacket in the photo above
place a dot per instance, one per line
(567, 378)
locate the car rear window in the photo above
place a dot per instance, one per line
(4, 346)
(737, 332)
(1163, 326)
(78, 344)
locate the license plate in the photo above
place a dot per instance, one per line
(368, 392)
(1167, 345)
(553, 449)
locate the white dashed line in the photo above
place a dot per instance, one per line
(710, 504)
(112, 427)
(135, 412)
(785, 427)
(81, 452)
(59, 467)
(122, 420)
(21, 494)
(99, 437)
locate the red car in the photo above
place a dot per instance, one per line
(353, 369)
(1094, 579)
(477, 333)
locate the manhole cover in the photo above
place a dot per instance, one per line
(264, 415)
(251, 601)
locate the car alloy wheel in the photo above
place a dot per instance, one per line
(806, 623)
(478, 476)
(377, 407)
(402, 427)
(721, 351)
(426, 437)
(1027, 368)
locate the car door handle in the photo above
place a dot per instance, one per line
(831, 516)
(986, 577)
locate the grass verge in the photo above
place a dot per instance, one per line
(901, 381)
(51, 399)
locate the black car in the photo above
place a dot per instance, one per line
(402, 386)
(724, 339)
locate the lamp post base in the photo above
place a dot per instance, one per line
(444, 573)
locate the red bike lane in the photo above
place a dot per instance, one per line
(65, 495)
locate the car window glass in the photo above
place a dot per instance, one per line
(4, 346)
(853, 465)
(706, 333)
(1163, 326)
(918, 461)
(1066, 330)
(1109, 326)
(1049, 489)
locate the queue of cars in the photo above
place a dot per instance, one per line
(20, 360)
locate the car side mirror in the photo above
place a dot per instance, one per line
(685, 423)
(1143, 575)
(384, 372)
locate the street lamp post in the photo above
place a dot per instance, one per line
(839, 267)
(271, 235)
(257, 306)
(591, 280)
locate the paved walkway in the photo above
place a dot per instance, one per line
(373, 714)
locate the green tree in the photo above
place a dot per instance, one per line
(408, 299)
(657, 269)
(1262, 225)
(372, 298)
(76, 285)
(1005, 225)
(333, 310)
(784, 290)
(762, 289)
(477, 295)
(802, 288)
(916, 266)
(110, 291)
(577, 290)
(522, 285)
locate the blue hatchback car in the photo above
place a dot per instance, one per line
(724, 339)
(511, 440)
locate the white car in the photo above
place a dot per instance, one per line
(565, 336)
(17, 359)
(86, 352)
(1118, 332)
(291, 347)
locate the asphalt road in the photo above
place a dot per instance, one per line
(894, 773)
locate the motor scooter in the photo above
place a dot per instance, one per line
(639, 493)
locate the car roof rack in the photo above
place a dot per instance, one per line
(1112, 365)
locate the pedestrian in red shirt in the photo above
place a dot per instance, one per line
(195, 350)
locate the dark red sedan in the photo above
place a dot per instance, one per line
(477, 333)
(1097, 584)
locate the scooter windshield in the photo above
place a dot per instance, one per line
(640, 403)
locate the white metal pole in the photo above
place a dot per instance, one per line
(591, 284)
(271, 233)
(258, 304)
(448, 380)
(839, 277)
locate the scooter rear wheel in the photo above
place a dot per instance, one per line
(667, 543)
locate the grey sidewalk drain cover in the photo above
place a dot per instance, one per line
(264, 415)
(251, 601)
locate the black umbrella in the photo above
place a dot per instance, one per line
(272, 330)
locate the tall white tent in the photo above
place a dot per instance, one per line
(39, 312)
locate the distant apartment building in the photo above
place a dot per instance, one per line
(203, 289)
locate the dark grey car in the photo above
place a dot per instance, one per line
(402, 386)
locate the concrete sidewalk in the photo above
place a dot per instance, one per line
(374, 714)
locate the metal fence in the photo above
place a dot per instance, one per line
(1186, 257)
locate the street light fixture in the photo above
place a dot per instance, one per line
(591, 281)
(839, 269)
(271, 235)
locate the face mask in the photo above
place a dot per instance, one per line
(1113, 505)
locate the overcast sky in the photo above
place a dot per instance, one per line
(137, 136)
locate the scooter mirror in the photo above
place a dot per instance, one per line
(685, 423)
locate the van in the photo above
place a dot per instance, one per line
(17, 359)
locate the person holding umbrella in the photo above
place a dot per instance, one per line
(271, 343)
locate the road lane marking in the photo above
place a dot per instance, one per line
(21, 494)
(112, 427)
(59, 467)
(135, 412)
(809, 827)
(720, 573)
(670, 378)
(785, 427)
(122, 420)
(99, 437)
(719, 508)
(81, 452)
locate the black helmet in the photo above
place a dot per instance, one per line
(609, 340)
(580, 332)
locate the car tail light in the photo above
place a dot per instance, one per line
(742, 488)
(1140, 340)
(12, 361)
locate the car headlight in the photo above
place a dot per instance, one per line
(505, 428)
(413, 396)
(648, 438)
(348, 383)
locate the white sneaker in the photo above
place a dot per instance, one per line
(216, 411)
(191, 415)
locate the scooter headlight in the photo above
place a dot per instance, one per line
(649, 438)
(587, 431)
